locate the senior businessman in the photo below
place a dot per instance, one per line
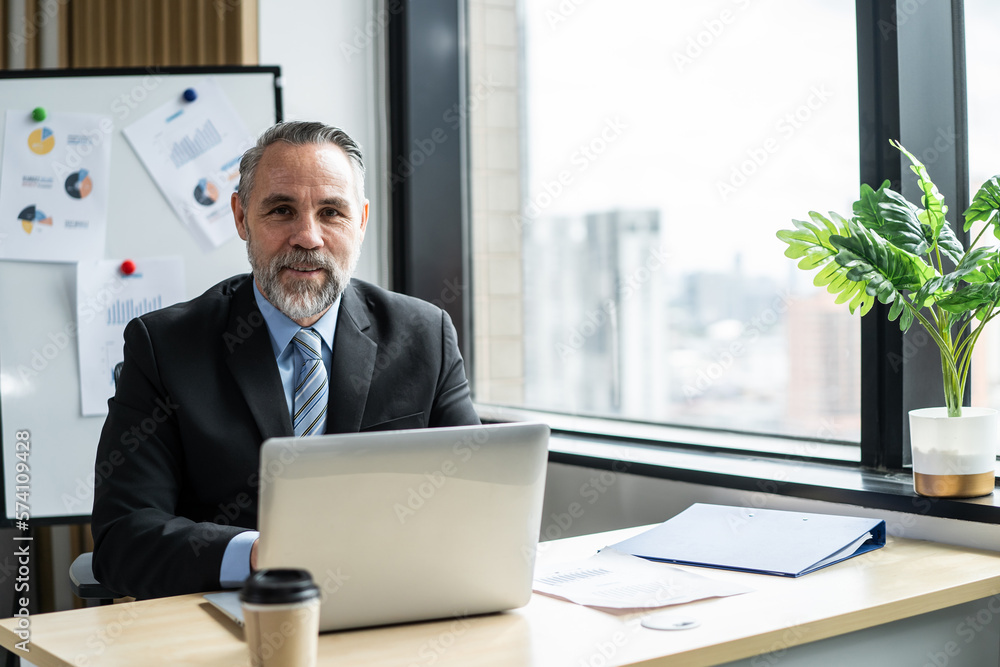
(297, 347)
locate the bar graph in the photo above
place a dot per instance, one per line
(122, 311)
(188, 148)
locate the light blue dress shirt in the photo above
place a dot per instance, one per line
(236, 559)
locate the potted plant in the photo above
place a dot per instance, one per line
(908, 256)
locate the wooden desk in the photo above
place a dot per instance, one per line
(905, 579)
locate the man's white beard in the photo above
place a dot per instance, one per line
(302, 299)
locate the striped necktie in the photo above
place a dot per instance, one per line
(311, 386)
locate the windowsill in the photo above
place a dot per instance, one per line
(723, 460)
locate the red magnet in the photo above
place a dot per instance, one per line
(128, 267)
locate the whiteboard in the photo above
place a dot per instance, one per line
(39, 365)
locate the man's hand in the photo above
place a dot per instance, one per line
(253, 555)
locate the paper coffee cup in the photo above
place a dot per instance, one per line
(281, 618)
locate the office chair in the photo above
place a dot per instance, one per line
(85, 586)
(81, 572)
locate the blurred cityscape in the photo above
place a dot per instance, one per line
(613, 329)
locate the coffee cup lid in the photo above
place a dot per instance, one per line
(279, 586)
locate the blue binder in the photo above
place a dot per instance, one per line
(787, 544)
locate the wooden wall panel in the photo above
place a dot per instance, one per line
(3, 31)
(139, 33)
(29, 34)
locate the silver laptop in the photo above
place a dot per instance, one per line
(401, 526)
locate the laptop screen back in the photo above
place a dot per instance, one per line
(400, 526)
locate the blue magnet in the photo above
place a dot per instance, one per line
(190, 95)
(38, 113)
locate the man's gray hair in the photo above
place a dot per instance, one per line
(300, 133)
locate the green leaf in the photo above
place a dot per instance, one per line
(932, 200)
(930, 289)
(969, 264)
(969, 297)
(906, 320)
(949, 244)
(812, 244)
(989, 268)
(985, 205)
(968, 270)
(888, 270)
(866, 209)
(901, 223)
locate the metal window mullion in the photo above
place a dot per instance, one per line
(881, 340)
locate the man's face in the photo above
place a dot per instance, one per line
(303, 227)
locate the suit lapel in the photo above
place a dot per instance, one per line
(352, 366)
(252, 363)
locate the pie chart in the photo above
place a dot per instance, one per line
(79, 185)
(205, 193)
(41, 141)
(30, 216)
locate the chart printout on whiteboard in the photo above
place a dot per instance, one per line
(54, 186)
(106, 301)
(192, 151)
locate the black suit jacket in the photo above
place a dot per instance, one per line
(177, 464)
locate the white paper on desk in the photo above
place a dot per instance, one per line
(192, 150)
(620, 581)
(54, 190)
(106, 300)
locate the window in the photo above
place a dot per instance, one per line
(630, 170)
(982, 21)
(625, 167)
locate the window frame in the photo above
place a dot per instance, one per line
(431, 250)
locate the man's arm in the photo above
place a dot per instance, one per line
(452, 401)
(141, 546)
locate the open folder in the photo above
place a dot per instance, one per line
(787, 544)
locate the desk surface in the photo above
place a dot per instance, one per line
(904, 579)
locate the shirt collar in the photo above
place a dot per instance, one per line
(282, 328)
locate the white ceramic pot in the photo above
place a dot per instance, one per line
(953, 457)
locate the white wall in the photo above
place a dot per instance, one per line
(328, 53)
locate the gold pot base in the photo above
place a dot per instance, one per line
(954, 486)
